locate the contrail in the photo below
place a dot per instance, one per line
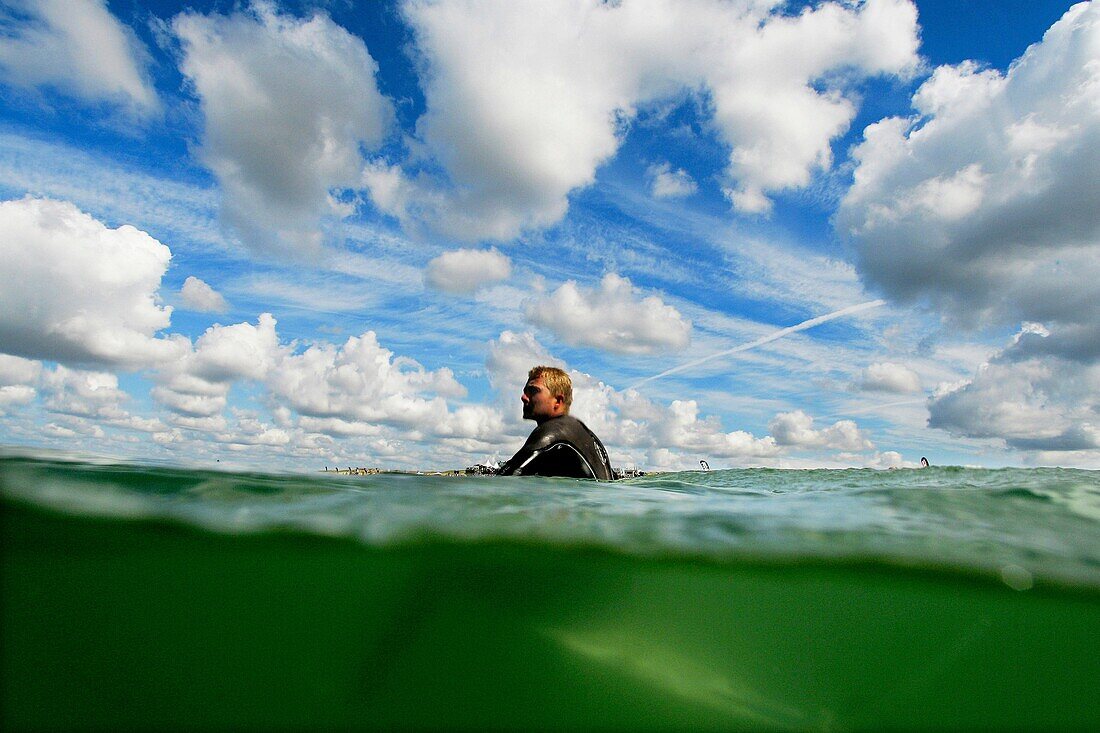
(873, 408)
(768, 339)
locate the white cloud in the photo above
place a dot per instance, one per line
(198, 423)
(337, 427)
(72, 290)
(18, 378)
(795, 429)
(199, 296)
(240, 351)
(1031, 399)
(250, 431)
(14, 370)
(54, 430)
(986, 204)
(466, 270)
(287, 103)
(16, 395)
(888, 459)
(362, 381)
(84, 394)
(613, 316)
(357, 389)
(889, 377)
(76, 46)
(666, 183)
(198, 384)
(525, 102)
(682, 428)
(89, 401)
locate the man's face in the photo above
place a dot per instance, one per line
(538, 403)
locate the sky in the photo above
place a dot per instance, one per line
(291, 235)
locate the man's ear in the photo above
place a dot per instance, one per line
(559, 400)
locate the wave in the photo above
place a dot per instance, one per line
(1044, 523)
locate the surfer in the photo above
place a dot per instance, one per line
(560, 444)
(923, 462)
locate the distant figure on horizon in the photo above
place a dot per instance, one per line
(560, 445)
(704, 465)
(923, 462)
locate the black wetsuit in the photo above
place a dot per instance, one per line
(561, 446)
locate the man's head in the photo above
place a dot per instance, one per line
(548, 393)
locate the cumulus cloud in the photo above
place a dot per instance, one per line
(985, 203)
(199, 296)
(358, 388)
(363, 381)
(198, 384)
(18, 378)
(287, 104)
(681, 427)
(613, 316)
(666, 183)
(78, 47)
(73, 290)
(675, 435)
(1029, 398)
(795, 429)
(889, 377)
(14, 370)
(84, 393)
(249, 431)
(465, 270)
(14, 395)
(525, 102)
(888, 459)
(87, 400)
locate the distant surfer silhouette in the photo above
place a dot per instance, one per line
(923, 462)
(560, 445)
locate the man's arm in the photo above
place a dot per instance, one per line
(536, 441)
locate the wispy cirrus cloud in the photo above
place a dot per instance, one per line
(54, 42)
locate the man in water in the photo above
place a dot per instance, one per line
(560, 445)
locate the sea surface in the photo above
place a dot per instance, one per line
(138, 597)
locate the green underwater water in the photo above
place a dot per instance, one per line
(145, 597)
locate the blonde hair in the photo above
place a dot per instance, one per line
(557, 382)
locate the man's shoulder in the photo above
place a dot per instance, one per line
(562, 428)
(561, 423)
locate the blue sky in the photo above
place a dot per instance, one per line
(289, 235)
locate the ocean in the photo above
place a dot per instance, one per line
(140, 597)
